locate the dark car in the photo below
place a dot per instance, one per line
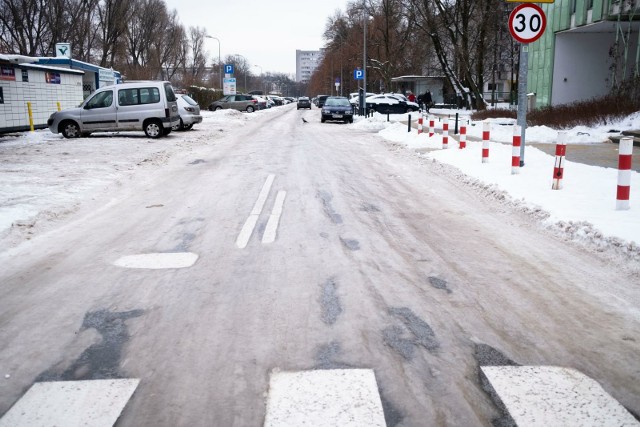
(337, 108)
(321, 100)
(388, 104)
(304, 102)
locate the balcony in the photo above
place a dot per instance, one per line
(625, 9)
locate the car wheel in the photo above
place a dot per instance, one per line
(218, 108)
(322, 120)
(250, 109)
(179, 126)
(153, 129)
(188, 127)
(70, 129)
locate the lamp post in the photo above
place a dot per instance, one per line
(365, 24)
(219, 58)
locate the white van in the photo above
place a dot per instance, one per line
(149, 106)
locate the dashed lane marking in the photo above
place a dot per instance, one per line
(270, 231)
(555, 396)
(324, 398)
(157, 261)
(96, 403)
(252, 220)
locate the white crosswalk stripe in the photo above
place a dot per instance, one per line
(96, 403)
(324, 398)
(555, 396)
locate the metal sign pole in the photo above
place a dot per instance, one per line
(522, 96)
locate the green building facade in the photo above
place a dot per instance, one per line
(587, 47)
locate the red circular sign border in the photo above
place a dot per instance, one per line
(512, 17)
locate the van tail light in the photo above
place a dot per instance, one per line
(167, 112)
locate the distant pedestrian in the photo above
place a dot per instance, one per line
(427, 100)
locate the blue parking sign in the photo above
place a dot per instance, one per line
(228, 68)
(358, 74)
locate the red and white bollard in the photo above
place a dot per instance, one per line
(558, 168)
(420, 121)
(625, 152)
(515, 153)
(445, 134)
(486, 135)
(463, 135)
(432, 125)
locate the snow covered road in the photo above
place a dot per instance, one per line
(379, 259)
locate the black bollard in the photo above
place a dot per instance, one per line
(455, 131)
(409, 124)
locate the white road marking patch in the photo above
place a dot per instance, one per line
(555, 396)
(158, 261)
(250, 223)
(93, 403)
(324, 398)
(270, 231)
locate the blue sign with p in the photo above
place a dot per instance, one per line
(228, 68)
(358, 75)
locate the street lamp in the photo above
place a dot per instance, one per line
(261, 73)
(219, 58)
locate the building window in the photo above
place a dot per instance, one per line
(25, 75)
(1, 96)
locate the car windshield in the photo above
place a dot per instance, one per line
(337, 102)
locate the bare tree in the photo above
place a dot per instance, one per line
(197, 60)
(170, 49)
(24, 26)
(460, 32)
(113, 16)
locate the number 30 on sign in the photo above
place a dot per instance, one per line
(527, 23)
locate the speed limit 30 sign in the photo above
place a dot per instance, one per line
(527, 23)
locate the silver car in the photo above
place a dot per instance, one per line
(240, 102)
(189, 111)
(149, 106)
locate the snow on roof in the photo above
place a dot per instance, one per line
(17, 59)
(49, 68)
(411, 77)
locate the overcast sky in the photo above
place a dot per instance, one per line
(267, 33)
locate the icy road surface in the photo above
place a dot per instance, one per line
(293, 247)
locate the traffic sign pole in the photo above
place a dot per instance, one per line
(527, 22)
(522, 97)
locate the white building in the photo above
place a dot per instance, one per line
(44, 89)
(306, 63)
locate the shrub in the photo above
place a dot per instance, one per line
(204, 96)
(622, 102)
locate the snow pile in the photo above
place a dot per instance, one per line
(583, 210)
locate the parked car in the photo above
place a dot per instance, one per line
(149, 106)
(321, 100)
(414, 105)
(189, 111)
(240, 102)
(262, 102)
(354, 98)
(337, 108)
(387, 104)
(304, 102)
